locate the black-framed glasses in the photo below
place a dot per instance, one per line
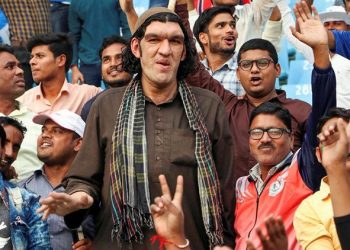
(262, 63)
(273, 133)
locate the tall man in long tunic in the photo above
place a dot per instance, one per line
(156, 125)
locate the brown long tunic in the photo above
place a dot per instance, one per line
(170, 145)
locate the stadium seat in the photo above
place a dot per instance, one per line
(299, 72)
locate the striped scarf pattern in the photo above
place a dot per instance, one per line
(129, 190)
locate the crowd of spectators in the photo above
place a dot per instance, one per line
(174, 128)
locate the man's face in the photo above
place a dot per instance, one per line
(11, 76)
(160, 51)
(221, 36)
(226, 2)
(44, 65)
(335, 25)
(269, 152)
(14, 138)
(347, 6)
(112, 71)
(56, 144)
(258, 83)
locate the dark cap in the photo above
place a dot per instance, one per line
(151, 12)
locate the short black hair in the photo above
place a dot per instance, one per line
(334, 112)
(2, 137)
(270, 108)
(107, 41)
(261, 44)
(9, 121)
(58, 43)
(132, 65)
(6, 48)
(202, 22)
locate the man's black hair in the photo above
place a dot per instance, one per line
(6, 48)
(260, 44)
(108, 41)
(9, 121)
(270, 108)
(58, 43)
(132, 65)
(2, 137)
(333, 113)
(202, 23)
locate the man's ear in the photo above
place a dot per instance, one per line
(278, 69)
(61, 60)
(318, 154)
(203, 38)
(78, 143)
(135, 47)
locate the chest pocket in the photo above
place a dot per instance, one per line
(183, 147)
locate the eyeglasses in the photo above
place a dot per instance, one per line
(273, 133)
(262, 63)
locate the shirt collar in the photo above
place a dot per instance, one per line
(281, 96)
(324, 188)
(64, 88)
(255, 172)
(230, 63)
(20, 109)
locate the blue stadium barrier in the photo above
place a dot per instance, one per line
(299, 72)
(299, 91)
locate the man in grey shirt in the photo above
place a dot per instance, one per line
(57, 147)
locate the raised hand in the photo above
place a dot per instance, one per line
(276, 237)
(167, 213)
(312, 31)
(63, 204)
(334, 145)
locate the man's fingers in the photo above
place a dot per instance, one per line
(164, 186)
(170, 206)
(306, 10)
(41, 209)
(316, 15)
(179, 190)
(301, 14)
(250, 245)
(263, 239)
(280, 227)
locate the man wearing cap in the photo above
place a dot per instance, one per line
(335, 18)
(57, 146)
(156, 125)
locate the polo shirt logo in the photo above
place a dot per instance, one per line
(277, 186)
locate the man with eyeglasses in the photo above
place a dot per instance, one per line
(281, 179)
(257, 71)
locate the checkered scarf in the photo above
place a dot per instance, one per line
(129, 171)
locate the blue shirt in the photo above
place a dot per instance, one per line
(28, 231)
(90, 21)
(342, 43)
(60, 234)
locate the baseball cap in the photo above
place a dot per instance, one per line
(335, 13)
(65, 118)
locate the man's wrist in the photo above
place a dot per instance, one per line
(180, 242)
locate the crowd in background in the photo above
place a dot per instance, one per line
(178, 127)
